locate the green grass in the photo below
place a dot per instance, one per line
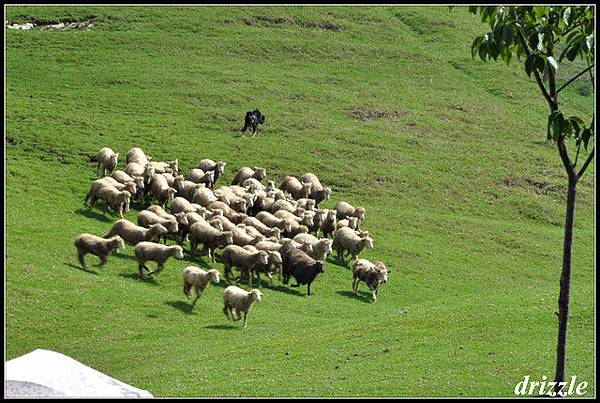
(447, 175)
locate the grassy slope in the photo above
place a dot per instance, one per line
(469, 309)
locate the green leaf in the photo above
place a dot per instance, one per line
(540, 63)
(553, 63)
(507, 35)
(567, 16)
(540, 11)
(586, 135)
(529, 64)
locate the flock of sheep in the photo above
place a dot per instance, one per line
(261, 229)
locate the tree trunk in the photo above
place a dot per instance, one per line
(565, 285)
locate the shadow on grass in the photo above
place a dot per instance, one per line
(287, 290)
(124, 256)
(222, 327)
(136, 276)
(185, 307)
(80, 268)
(362, 295)
(88, 212)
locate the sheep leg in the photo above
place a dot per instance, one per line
(374, 294)
(102, 260)
(251, 279)
(213, 254)
(198, 294)
(308, 289)
(159, 267)
(141, 267)
(226, 311)
(246, 314)
(238, 314)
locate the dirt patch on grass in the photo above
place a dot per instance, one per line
(368, 114)
(269, 22)
(11, 141)
(539, 187)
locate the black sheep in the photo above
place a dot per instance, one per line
(253, 119)
(296, 263)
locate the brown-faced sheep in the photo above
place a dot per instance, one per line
(116, 199)
(197, 175)
(217, 167)
(321, 248)
(294, 187)
(374, 274)
(198, 279)
(247, 172)
(347, 240)
(244, 259)
(328, 225)
(317, 192)
(88, 243)
(350, 222)
(107, 161)
(135, 234)
(155, 252)
(210, 237)
(235, 298)
(345, 210)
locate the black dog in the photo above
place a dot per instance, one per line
(253, 119)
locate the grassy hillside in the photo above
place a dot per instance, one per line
(464, 199)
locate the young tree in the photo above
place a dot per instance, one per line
(536, 34)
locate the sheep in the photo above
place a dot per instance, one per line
(238, 200)
(137, 155)
(123, 177)
(186, 189)
(350, 222)
(321, 248)
(246, 172)
(318, 193)
(294, 187)
(113, 198)
(217, 167)
(292, 207)
(88, 243)
(345, 210)
(138, 170)
(131, 187)
(210, 237)
(161, 191)
(135, 234)
(240, 300)
(346, 239)
(223, 221)
(150, 251)
(262, 228)
(374, 274)
(180, 204)
(271, 221)
(328, 225)
(192, 218)
(228, 212)
(147, 218)
(180, 218)
(163, 167)
(197, 175)
(242, 238)
(244, 259)
(305, 203)
(107, 161)
(199, 279)
(273, 265)
(204, 196)
(301, 216)
(253, 183)
(298, 264)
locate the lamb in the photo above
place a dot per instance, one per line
(273, 265)
(240, 300)
(135, 234)
(321, 248)
(210, 237)
(217, 167)
(137, 155)
(161, 191)
(180, 204)
(197, 175)
(150, 251)
(294, 187)
(374, 274)
(328, 225)
(199, 279)
(346, 239)
(113, 198)
(88, 243)
(318, 193)
(350, 222)
(107, 161)
(345, 210)
(244, 259)
(271, 221)
(246, 172)
(262, 228)
(298, 264)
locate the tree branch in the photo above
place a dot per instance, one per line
(575, 78)
(585, 165)
(539, 81)
(577, 155)
(564, 156)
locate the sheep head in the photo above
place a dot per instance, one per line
(213, 275)
(318, 266)
(255, 294)
(178, 251)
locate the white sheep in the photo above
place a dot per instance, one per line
(197, 175)
(262, 228)
(155, 252)
(209, 236)
(244, 259)
(247, 172)
(273, 265)
(135, 234)
(346, 239)
(235, 298)
(180, 204)
(116, 199)
(107, 161)
(88, 243)
(321, 248)
(345, 210)
(373, 274)
(161, 191)
(317, 192)
(137, 155)
(218, 167)
(294, 187)
(199, 279)
(123, 177)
